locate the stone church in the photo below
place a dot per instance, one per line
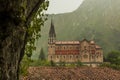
(87, 52)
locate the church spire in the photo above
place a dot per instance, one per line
(52, 30)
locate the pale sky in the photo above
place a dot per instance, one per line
(63, 6)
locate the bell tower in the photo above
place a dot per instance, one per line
(51, 42)
(52, 35)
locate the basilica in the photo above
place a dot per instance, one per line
(87, 52)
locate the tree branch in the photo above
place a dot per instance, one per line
(32, 7)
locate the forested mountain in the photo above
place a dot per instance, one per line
(94, 19)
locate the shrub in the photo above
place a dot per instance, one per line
(25, 65)
(40, 63)
(52, 63)
(113, 66)
(79, 63)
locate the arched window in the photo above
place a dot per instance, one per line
(64, 47)
(57, 56)
(51, 57)
(97, 56)
(76, 56)
(85, 51)
(64, 57)
(85, 56)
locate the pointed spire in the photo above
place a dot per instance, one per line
(52, 30)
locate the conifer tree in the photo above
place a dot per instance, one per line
(42, 55)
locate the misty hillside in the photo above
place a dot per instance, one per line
(94, 19)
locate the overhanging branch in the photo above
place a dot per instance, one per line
(32, 7)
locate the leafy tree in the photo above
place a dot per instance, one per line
(62, 63)
(79, 63)
(20, 22)
(42, 55)
(112, 60)
(114, 57)
(40, 63)
(25, 65)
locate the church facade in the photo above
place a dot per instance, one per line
(87, 52)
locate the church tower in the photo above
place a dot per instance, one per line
(52, 35)
(51, 42)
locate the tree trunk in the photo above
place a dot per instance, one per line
(13, 29)
(11, 53)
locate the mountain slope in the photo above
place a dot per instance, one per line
(94, 19)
